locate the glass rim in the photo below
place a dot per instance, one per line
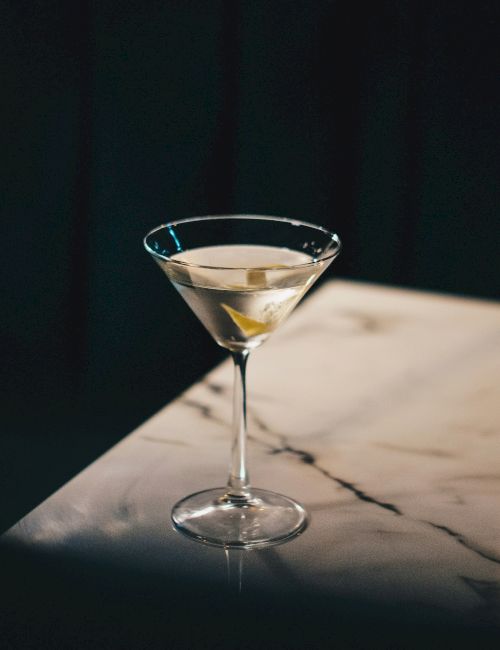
(230, 217)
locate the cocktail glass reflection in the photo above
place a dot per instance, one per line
(242, 275)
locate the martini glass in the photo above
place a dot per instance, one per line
(242, 275)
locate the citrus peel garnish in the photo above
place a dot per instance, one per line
(256, 278)
(248, 326)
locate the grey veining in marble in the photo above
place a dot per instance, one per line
(377, 408)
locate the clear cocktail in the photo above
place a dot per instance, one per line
(242, 276)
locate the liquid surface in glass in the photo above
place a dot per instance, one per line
(242, 303)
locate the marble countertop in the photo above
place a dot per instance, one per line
(378, 409)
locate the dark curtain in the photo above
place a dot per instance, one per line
(376, 119)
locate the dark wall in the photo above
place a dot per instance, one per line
(376, 119)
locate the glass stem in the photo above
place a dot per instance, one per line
(238, 483)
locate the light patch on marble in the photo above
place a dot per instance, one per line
(378, 408)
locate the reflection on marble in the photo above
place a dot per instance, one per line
(235, 560)
(377, 408)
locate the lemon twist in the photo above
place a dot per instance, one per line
(248, 326)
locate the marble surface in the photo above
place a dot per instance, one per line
(377, 408)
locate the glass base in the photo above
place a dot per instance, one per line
(261, 519)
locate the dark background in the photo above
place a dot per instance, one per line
(375, 119)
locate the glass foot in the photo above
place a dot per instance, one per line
(262, 519)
